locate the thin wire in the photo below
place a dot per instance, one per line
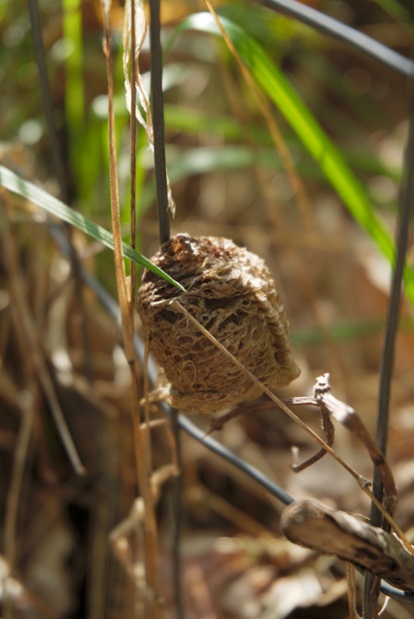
(237, 462)
(338, 30)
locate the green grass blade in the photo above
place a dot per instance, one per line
(45, 201)
(330, 160)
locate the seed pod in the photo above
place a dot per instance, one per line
(231, 293)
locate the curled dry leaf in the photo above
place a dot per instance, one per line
(231, 293)
(314, 525)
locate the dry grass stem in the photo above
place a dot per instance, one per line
(130, 9)
(142, 439)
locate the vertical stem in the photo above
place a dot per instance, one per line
(157, 102)
(141, 447)
(387, 361)
(388, 352)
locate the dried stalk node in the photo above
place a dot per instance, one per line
(231, 293)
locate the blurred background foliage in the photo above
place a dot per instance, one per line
(228, 179)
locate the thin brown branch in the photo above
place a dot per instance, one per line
(329, 430)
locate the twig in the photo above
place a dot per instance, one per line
(312, 524)
(20, 453)
(245, 409)
(217, 424)
(347, 416)
(329, 430)
(351, 589)
(177, 496)
(388, 352)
